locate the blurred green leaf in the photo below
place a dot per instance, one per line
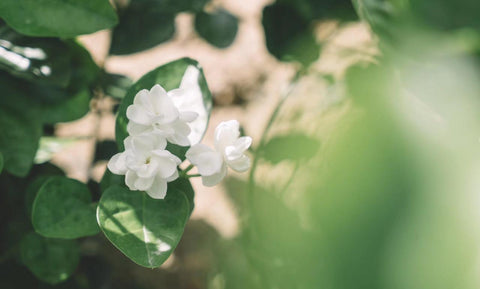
(18, 141)
(293, 147)
(63, 209)
(110, 179)
(115, 85)
(144, 229)
(143, 25)
(218, 28)
(104, 150)
(291, 40)
(58, 18)
(176, 6)
(447, 14)
(169, 76)
(70, 109)
(50, 260)
(45, 60)
(1, 162)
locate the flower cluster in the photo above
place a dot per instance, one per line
(157, 117)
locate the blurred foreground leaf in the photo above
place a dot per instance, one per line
(58, 18)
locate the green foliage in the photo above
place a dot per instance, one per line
(144, 229)
(50, 260)
(63, 209)
(282, 148)
(47, 81)
(143, 25)
(58, 18)
(1, 162)
(169, 77)
(291, 40)
(115, 85)
(218, 28)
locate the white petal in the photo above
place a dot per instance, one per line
(210, 181)
(176, 94)
(143, 184)
(158, 190)
(180, 135)
(240, 164)
(167, 154)
(167, 165)
(188, 116)
(139, 114)
(142, 98)
(137, 129)
(117, 164)
(172, 177)
(207, 161)
(163, 107)
(226, 134)
(148, 170)
(190, 77)
(130, 179)
(243, 143)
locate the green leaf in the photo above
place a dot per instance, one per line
(218, 28)
(19, 139)
(58, 18)
(149, 17)
(44, 60)
(115, 85)
(291, 40)
(67, 110)
(104, 150)
(144, 229)
(50, 260)
(292, 147)
(169, 77)
(63, 209)
(1, 162)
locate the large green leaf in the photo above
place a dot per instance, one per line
(19, 139)
(149, 17)
(291, 40)
(144, 229)
(58, 18)
(45, 60)
(169, 76)
(70, 109)
(218, 28)
(63, 209)
(50, 260)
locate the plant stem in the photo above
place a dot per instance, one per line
(263, 139)
(194, 176)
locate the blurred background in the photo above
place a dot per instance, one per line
(365, 117)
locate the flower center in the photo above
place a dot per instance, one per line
(147, 161)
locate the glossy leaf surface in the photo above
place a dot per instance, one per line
(144, 229)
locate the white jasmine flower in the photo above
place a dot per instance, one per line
(146, 164)
(229, 151)
(188, 97)
(154, 112)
